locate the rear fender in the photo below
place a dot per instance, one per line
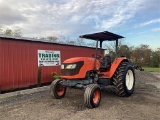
(115, 65)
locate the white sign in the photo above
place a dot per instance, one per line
(49, 58)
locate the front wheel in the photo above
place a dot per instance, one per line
(92, 96)
(57, 90)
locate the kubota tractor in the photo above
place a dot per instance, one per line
(91, 74)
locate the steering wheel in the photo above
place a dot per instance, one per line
(97, 57)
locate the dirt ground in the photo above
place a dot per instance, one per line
(144, 104)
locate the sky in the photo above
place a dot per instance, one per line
(137, 20)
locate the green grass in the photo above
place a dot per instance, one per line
(149, 69)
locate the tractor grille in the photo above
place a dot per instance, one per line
(69, 72)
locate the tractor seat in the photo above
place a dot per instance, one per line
(105, 63)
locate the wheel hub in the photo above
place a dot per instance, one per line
(96, 96)
(129, 79)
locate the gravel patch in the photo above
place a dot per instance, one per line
(144, 104)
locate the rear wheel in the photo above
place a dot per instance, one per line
(92, 96)
(124, 79)
(57, 90)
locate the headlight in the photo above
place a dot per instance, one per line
(71, 66)
(62, 66)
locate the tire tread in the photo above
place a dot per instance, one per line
(87, 95)
(118, 81)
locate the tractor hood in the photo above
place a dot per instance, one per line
(77, 59)
(77, 67)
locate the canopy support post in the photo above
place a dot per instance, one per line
(117, 48)
(96, 55)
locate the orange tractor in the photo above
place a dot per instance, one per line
(91, 74)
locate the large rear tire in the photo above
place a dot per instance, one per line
(124, 79)
(57, 90)
(92, 96)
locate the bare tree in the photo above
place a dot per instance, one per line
(111, 46)
(15, 32)
(52, 38)
(80, 41)
(71, 42)
(91, 44)
(8, 32)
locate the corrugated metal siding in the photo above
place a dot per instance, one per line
(18, 66)
(19, 62)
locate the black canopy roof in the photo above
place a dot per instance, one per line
(102, 36)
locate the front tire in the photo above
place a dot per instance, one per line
(124, 80)
(92, 96)
(57, 90)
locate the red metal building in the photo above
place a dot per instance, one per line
(19, 60)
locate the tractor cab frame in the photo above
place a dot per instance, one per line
(103, 36)
(100, 38)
